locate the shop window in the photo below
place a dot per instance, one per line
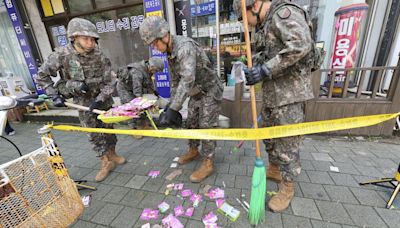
(133, 1)
(80, 6)
(52, 7)
(119, 34)
(12, 62)
(107, 3)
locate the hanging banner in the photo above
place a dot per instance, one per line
(154, 8)
(203, 9)
(23, 42)
(182, 18)
(348, 25)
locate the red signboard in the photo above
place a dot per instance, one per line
(348, 23)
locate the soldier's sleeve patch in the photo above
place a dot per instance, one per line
(284, 12)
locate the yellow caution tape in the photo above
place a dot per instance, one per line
(247, 133)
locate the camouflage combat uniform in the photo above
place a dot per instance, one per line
(285, 40)
(134, 81)
(94, 69)
(192, 75)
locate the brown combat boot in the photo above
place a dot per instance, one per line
(119, 160)
(205, 170)
(106, 167)
(191, 155)
(273, 173)
(282, 199)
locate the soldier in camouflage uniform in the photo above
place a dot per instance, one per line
(86, 77)
(192, 76)
(283, 46)
(134, 80)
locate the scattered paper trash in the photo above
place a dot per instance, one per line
(179, 211)
(247, 204)
(205, 189)
(216, 193)
(154, 173)
(229, 211)
(176, 159)
(334, 169)
(163, 207)
(360, 138)
(196, 199)
(147, 225)
(171, 222)
(169, 188)
(86, 200)
(173, 174)
(223, 184)
(174, 165)
(178, 187)
(148, 214)
(219, 202)
(186, 193)
(189, 212)
(242, 204)
(157, 226)
(210, 220)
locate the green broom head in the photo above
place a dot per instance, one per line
(258, 191)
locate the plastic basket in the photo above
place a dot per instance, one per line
(36, 191)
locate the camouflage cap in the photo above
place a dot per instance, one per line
(156, 64)
(153, 27)
(81, 27)
(237, 6)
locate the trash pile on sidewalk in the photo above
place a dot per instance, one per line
(171, 215)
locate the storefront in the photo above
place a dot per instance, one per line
(18, 53)
(117, 23)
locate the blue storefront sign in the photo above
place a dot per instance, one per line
(203, 9)
(23, 42)
(154, 7)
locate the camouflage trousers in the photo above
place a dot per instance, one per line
(101, 142)
(203, 113)
(284, 152)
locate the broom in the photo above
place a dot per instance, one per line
(240, 144)
(258, 181)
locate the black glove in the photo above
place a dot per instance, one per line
(84, 88)
(257, 74)
(58, 101)
(170, 118)
(79, 87)
(95, 105)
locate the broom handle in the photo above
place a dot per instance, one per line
(83, 108)
(250, 64)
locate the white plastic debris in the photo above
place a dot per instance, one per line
(334, 169)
